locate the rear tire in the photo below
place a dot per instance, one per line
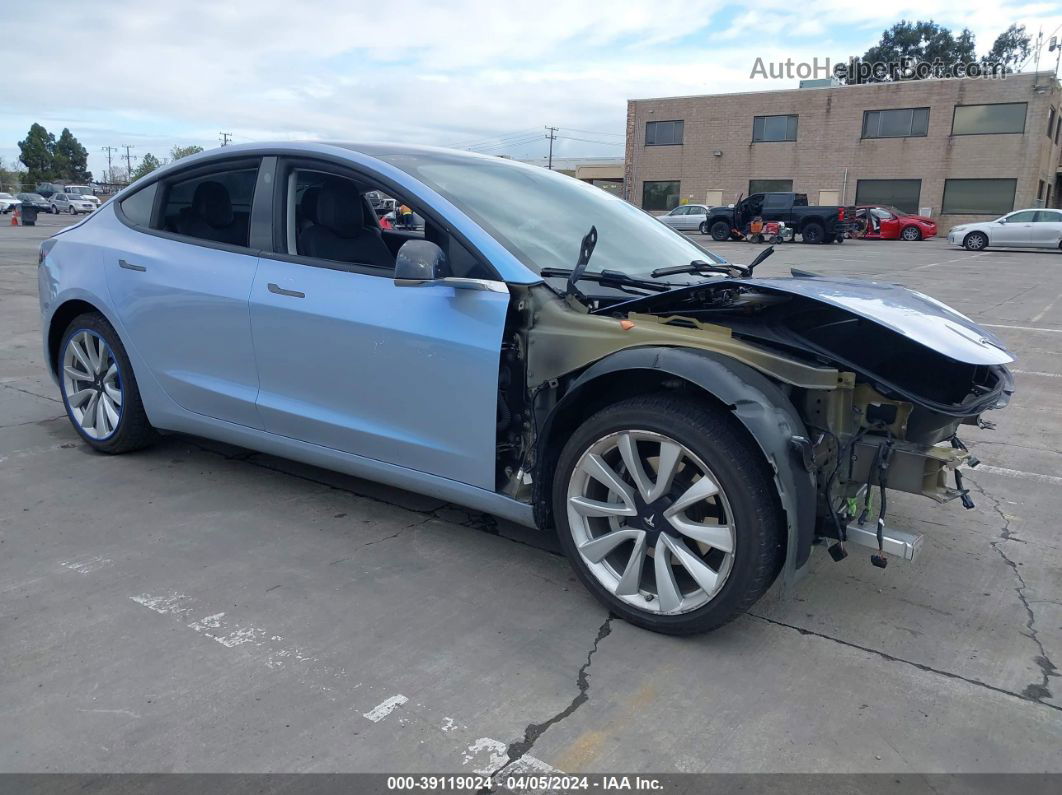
(99, 388)
(720, 231)
(732, 526)
(812, 233)
(704, 228)
(975, 241)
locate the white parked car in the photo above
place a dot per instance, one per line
(688, 218)
(84, 191)
(8, 202)
(1019, 229)
(72, 203)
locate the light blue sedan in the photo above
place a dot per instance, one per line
(538, 349)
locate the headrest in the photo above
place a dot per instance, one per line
(211, 202)
(339, 208)
(308, 203)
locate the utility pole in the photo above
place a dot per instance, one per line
(225, 137)
(109, 150)
(129, 161)
(552, 137)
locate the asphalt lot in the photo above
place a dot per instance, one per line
(197, 607)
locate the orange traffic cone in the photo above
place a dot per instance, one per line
(14, 216)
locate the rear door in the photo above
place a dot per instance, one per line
(350, 361)
(1047, 228)
(180, 280)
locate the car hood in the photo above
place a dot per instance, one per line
(913, 315)
(921, 218)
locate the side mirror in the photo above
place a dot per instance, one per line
(1001, 221)
(420, 262)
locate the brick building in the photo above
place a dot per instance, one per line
(963, 149)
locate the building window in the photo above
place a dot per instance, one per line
(978, 196)
(770, 186)
(902, 194)
(1007, 117)
(898, 123)
(774, 128)
(663, 133)
(660, 195)
(1050, 122)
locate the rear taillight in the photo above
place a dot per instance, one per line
(840, 214)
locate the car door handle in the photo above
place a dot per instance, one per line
(278, 290)
(129, 266)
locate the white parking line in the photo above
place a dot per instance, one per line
(1023, 328)
(385, 708)
(1017, 473)
(1046, 309)
(1037, 373)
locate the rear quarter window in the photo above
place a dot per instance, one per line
(137, 208)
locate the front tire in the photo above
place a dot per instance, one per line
(99, 388)
(720, 231)
(668, 513)
(911, 233)
(975, 241)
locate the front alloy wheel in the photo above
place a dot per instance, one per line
(650, 522)
(911, 233)
(92, 385)
(668, 513)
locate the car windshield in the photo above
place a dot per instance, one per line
(541, 216)
(893, 210)
(76, 190)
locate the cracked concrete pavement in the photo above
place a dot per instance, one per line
(197, 607)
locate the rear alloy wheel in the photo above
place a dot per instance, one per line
(667, 515)
(720, 231)
(812, 233)
(975, 241)
(99, 390)
(704, 228)
(911, 233)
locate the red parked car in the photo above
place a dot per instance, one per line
(881, 222)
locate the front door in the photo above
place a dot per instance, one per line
(350, 361)
(1017, 231)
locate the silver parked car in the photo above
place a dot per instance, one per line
(71, 203)
(1019, 229)
(688, 218)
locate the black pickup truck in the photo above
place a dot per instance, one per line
(813, 224)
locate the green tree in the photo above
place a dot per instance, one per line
(71, 158)
(918, 42)
(148, 163)
(183, 151)
(1010, 50)
(37, 153)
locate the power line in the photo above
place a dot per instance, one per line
(591, 140)
(225, 138)
(595, 132)
(475, 142)
(507, 144)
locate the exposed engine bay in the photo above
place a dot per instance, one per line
(881, 377)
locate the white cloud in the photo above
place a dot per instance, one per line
(152, 73)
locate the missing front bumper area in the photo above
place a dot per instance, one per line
(895, 543)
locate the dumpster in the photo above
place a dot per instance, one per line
(29, 215)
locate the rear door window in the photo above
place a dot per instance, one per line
(212, 206)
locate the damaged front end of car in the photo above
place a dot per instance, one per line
(850, 387)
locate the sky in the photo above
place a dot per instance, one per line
(466, 73)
